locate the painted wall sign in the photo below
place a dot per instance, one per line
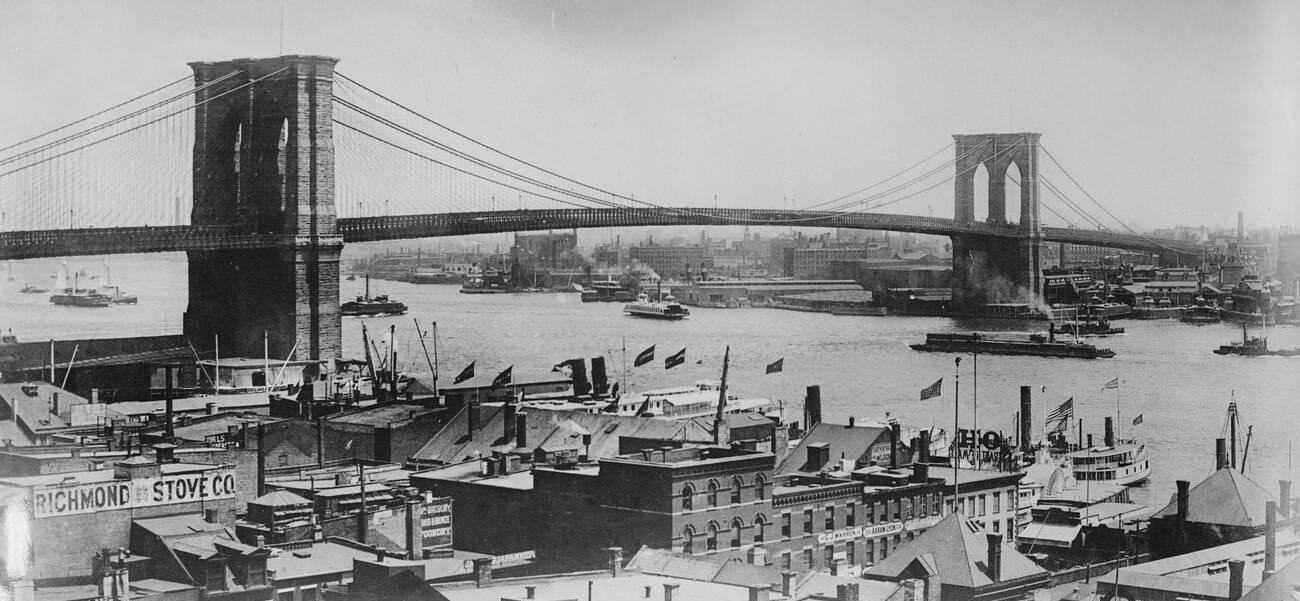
(435, 522)
(59, 500)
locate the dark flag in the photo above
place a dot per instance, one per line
(464, 374)
(675, 359)
(1137, 420)
(1062, 415)
(776, 366)
(932, 390)
(644, 357)
(502, 378)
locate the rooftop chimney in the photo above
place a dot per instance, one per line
(1026, 420)
(210, 516)
(482, 571)
(787, 583)
(812, 406)
(995, 557)
(846, 592)
(599, 381)
(925, 446)
(920, 473)
(1284, 498)
(1235, 569)
(759, 592)
(1182, 500)
(1270, 538)
(615, 561)
(893, 445)
(818, 454)
(509, 421)
(530, 592)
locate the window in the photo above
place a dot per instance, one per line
(850, 516)
(982, 507)
(688, 534)
(828, 555)
(850, 552)
(830, 517)
(736, 527)
(760, 523)
(807, 521)
(736, 485)
(713, 494)
(760, 487)
(808, 558)
(785, 525)
(785, 560)
(711, 540)
(1011, 530)
(935, 500)
(997, 503)
(884, 548)
(907, 507)
(688, 494)
(897, 506)
(997, 527)
(870, 513)
(922, 505)
(870, 551)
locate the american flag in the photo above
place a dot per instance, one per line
(1062, 414)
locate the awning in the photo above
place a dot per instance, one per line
(1052, 535)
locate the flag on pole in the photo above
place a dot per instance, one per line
(1111, 385)
(503, 378)
(776, 366)
(464, 374)
(1137, 420)
(644, 357)
(675, 359)
(932, 390)
(1063, 414)
(565, 368)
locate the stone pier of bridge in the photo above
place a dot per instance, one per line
(264, 162)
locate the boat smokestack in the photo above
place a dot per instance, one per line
(925, 447)
(1284, 498)
(1110, 432)
(1220, 453)
(1026, 420)
(1270, 538)
(599, 380)
(1183, 486)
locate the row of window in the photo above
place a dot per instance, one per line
(711, 534)
(979, 505)
(869, 548)
(711, 492)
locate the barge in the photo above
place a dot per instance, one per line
(1033, 344)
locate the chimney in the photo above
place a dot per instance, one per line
(599, 381)
(846, 592)
(818, 454)
(1220, 453)
(670, 592)
(210, 516)
(925, 446)
(580, 385)
(1241, 227)
(162, 453)
(509, 425)
(1270, 538)
(893, 445)
(521, 429)
(995, 557)
(586, 447)
(916, 446)
(260, 540)
(1090, 440)
(920, 473)
(759, 592)
(1235, 569)
(852, 421)
(756, 555)
(1026, 420)
(1182, 500)
(615, 561)
(1110, 432)
(211, 408)
(54, 403)
(812, 406)
(472, 410)
(414, 534)
(482, 572)
(1284, 498)
(530, 592)
(787, 583)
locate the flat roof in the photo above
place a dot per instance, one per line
(224, 402)
(381, 415)
(104, 475)
(325, 558)
(471, 471)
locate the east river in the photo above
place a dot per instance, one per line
(1167, 371)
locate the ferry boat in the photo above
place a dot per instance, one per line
(662, 307)
(1096, 307)
(368, 305)
(1202, 312)
(1149, 308)
(607, 292)
(1125, 462)
(687, 402)
(1000, 344)
(75, 295)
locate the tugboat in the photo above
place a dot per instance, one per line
(370, 306)
(1202, 312)
(1034, 344)
(76, 296)
(1254, 346)
(663, 306)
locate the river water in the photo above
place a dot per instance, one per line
(863, 364)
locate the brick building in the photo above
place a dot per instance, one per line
(672, 261)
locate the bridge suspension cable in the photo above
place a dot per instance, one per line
(881, 182)
(93, 115)
(862, 202)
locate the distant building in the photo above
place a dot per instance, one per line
(672, 261)
(1225, 507)
(549, 250)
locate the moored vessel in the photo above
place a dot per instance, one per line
(1149, 308)
(1201, 312)
(367, 305)
(1001, 344)
(1254, 346)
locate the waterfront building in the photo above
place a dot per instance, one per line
(815, 262)
(1208, 574)
(548, 250)
(36, 413)
(672, 261)
(986, 497)
(968, 562)
(738, 293)
(1225, 507)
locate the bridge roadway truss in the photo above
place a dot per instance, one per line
(103, 241)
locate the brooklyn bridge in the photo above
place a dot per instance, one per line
(236, 166)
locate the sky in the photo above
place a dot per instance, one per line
(1167, 112)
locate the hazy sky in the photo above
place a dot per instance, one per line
(1177, 112)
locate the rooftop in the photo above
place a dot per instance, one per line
(1225, 497)
(959, 549)
(383, 415)
(329, 557)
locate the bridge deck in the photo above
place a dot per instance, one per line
(55, 243)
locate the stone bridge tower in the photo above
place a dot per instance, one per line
(264, 161)
(997, 269)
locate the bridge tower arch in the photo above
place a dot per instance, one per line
(264, 162)
(997, 269)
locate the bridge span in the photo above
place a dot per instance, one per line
(105, 241)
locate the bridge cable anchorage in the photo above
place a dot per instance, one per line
(863, 201)
(454, 168)
(110, 123)
(472, 159)
(909, 168)
(142, 125)
(94, 114)
(494, 149)
(1101, 206)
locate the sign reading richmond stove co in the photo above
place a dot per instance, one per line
(58, 500)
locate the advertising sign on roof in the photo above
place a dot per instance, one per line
(59, 499)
